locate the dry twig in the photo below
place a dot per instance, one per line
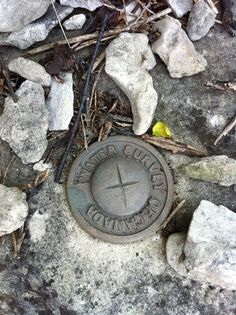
(99, 59)
(83, 119)
(15, 249)
(40, 178)
(212, 6)
(227, 129)
(173, 146)
(7, 168)
(172, 214)
(223, 86)
(113, 107)
(94, 85)
(74, 40)
(17, 239)
(92, 42)
(59, 21)
(105, 130)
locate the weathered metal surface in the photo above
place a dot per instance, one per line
(120, 190)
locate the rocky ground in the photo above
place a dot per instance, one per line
(61, 270)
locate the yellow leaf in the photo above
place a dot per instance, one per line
(160, 129)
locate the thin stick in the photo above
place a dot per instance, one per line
(126, 20)
(173, 213)
(145, 7)
(15, 250)
(227, 129)
(113, 107)
(215, 86)
(223, 86)
(85, 100)
(173, 146)
(135, 23)
(7, 168)
(73, 40)
(91, 42)
(158, 15)
(59, 21)
(20, 239)
(106, 130)
(112, 7)
(100, 133)
(95, 85)
(83, 117)
(212, 6)
(99, 60)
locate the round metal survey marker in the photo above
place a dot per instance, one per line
(120, 190)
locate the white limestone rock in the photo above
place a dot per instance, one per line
(201, 19)
(37, 226)
(41, 166)
(76, 22)
(209, 252)
(90, 5)
(180, 7)
(176, 50)
(13, 209)
(128, 59)
(218, 169)
(35, 31)
(60, 103)
(30, 70)
(15, 14)
(24, 124)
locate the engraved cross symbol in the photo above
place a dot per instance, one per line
(121, 184)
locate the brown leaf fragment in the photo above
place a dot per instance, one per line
(63, 60)
(1, 85)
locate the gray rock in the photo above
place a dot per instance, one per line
(76, 22)
(60, 103)
(128, 59)
(18, 174)
(213, 224)
(201, 19)
(209, 253)
(176, 50)
(30, 70)
(90, 5)
(13, 209)
(24, 124)
(15, 14)
(217, 169)
(180, 7)
(35, 31)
